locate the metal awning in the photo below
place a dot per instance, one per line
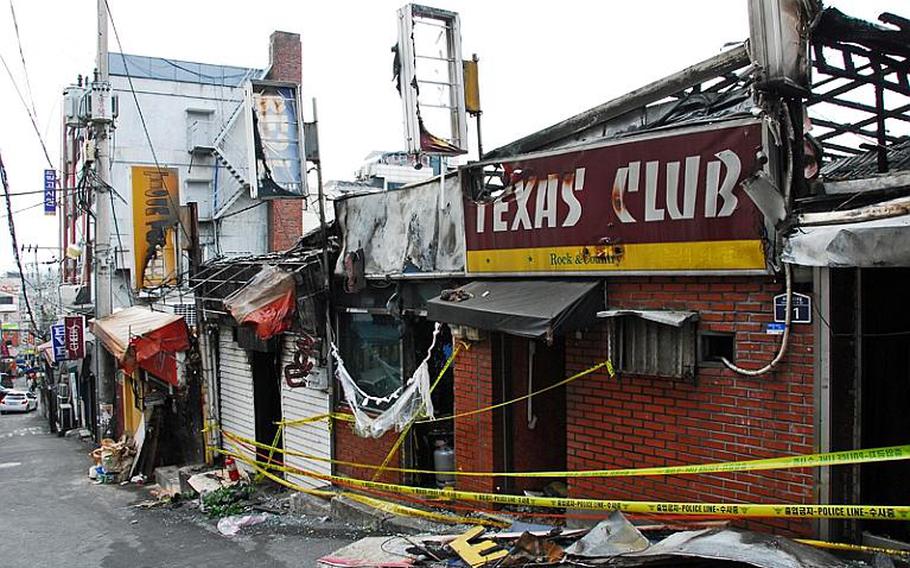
(527, 308)
(667, 317)
(877, 243)
(140, 337)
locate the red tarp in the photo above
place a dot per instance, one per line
(140, 338)
(266, 303)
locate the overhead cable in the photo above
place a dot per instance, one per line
(145, 129)
(12, 233)
(28, 111)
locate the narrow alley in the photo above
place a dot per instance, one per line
(97, 526)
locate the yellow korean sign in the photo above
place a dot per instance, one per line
(155, 218)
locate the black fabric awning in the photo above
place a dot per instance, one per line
(528, 308)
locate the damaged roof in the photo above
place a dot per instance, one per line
(865, 165)
(646, 108)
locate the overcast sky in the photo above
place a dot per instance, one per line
(540, 62)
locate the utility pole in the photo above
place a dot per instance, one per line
(101, 119)
(327, 277)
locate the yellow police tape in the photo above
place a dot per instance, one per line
(348, 418)
(379, 504)
(317, 418)
(603, 364)
(395, 508)
(739, 510)
(853, 547)
(891, 453)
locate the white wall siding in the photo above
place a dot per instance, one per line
(313, 438)
(235, 374)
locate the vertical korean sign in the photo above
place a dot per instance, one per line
(50, 196)
(74, 337)
(155, 219)
(661, 203)
(58, 341)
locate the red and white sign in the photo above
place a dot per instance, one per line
(74, 337)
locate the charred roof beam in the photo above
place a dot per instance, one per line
(697, 74)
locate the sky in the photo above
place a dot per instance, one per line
(540, 62)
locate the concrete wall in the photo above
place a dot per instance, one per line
(164, 105)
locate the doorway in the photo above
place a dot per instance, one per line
(530, 435)
(266, 401)
(870, 386)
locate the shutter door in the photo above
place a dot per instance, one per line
(238, 414)
(313, 438)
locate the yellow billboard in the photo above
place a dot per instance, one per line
(155, 217)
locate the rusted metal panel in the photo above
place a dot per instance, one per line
(664, 202)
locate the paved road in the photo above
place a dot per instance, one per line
(52, 515)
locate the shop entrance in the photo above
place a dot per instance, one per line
(266, 400)
(530, 435)
(870, 386)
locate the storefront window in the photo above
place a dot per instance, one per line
(371, 349)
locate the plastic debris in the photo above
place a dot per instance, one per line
(230, 526)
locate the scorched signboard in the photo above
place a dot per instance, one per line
(664, 202)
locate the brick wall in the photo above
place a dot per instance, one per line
(641, 421)
(474, 437)
(372, 451)
(285, 215)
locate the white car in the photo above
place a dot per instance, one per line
(18, 401)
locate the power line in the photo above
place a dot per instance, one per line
(12, 233)
(129, 288)
(28, 111)
(28, 83)
(39, 204)
(145, 129)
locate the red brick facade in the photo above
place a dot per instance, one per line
(640, 421)
(285, 215)
(371, 451)
(474, 438)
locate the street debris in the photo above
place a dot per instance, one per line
(112, 460)
(614, 542)
(479, 553)
(208, 481)
(226, 501)
(613, 536)
(230, 526)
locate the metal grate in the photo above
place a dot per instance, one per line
(188, 311)
(642, 347)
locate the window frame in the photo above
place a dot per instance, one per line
(645, 335)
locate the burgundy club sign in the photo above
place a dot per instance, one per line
(74, 337)
(664, 202)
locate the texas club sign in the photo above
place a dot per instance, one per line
(660, 203)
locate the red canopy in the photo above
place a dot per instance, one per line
(140, 338)
(266, 303)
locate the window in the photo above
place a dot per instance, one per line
(6, 300)
(640, 346)
(713, 346)
(371, 349)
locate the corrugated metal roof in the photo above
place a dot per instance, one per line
(143, 67)
(865, 165)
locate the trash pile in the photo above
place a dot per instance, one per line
(613, 542)
(113, 461)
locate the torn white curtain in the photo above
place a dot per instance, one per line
(412, 396)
